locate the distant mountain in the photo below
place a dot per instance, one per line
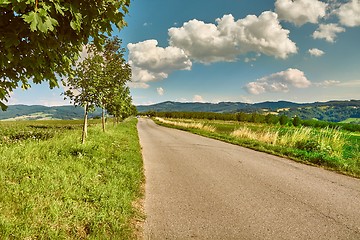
(38, 112)
(193, 107)
(334, 111)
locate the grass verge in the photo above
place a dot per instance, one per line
(60, 189)
(329, 148)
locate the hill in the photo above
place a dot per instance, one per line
(38, 112)
(334, 111)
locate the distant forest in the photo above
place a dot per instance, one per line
(332, 111)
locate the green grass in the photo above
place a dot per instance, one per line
(352, 120)
(56, 188)
(333, 149)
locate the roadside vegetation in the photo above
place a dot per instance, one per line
(328, 146)
(54, 187)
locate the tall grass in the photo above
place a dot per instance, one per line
(266, 135)
(332, 148)
(196, 125)
(60, 189)
(330, 141)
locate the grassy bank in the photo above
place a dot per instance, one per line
(52, 187)
(330, 148)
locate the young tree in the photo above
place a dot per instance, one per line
(83, 86)
(283, 119)
(116, 73)
(100, 80)
(41, 40)
(296, 121)
(121, 105)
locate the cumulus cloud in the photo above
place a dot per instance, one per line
(279, 82)
(316, 52)
(207, 43)
(151, 63)
(300, 12)
(328, 32)
(160, 91)
(198, 98)
(349, 13)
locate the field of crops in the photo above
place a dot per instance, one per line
(331, 148)
(54, 187)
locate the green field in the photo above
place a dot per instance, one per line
(53, 187)
(352, 120)
(330, 148)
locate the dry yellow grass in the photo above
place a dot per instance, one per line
(196, 125)
(266, 136)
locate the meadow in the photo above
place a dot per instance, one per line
(331, 148)
(54, 187)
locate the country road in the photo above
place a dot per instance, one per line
(200, 188)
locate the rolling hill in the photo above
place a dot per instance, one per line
(38, 112)
(334, 111)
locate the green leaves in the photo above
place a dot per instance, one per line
(32, 18)
(40, 20)
(100, 80)
(41, 40)
(76, 22)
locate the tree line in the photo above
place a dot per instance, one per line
(282, 120)
(100, 81)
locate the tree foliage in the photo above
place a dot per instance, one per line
(100, 81)
(41, 40)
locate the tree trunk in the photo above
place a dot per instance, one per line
(84, 132)
(103, 119)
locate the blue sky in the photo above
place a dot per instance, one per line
(236, 50)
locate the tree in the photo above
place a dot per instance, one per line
(283, 119)
(116, 73)
(271, 119)
(242, 117)
(100, 81)
(41, 40)
(296, 121)
(83, 86)
(121, 106)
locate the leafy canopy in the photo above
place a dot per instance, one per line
(100, 79)
(41, 40)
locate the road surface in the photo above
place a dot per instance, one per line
(200, 188)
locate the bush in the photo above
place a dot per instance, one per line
(308, 145)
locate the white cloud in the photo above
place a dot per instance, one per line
(327, 83)
(352, 83)
(198, 98)
(137, 85)
(247, 60)
(151, 63)
(349, 13)
(279, 82)
(328, 31)
(316, 52)
(300, 12)
(207, 43)
(160, 91)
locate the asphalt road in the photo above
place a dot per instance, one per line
(199, 188)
